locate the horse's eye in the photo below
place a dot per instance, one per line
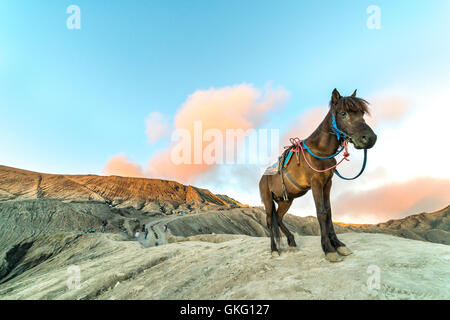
(343, 114)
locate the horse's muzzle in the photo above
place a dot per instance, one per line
(364, 141)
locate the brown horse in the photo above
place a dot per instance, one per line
(349, 116)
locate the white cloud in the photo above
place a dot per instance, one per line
(157, 127)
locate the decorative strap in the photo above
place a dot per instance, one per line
(291, 179)
(318, 157)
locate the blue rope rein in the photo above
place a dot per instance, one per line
(360, 173)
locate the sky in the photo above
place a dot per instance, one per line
(107, 97)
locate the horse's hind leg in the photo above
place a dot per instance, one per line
(335, 242)
(269, 205)
(283, 207)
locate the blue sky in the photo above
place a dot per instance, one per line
(72, 99)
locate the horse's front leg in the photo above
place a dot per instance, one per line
(340, 246)
(318, 193)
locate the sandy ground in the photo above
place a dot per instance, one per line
(238, 267)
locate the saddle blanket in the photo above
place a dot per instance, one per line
(272, 170)
(275, 168)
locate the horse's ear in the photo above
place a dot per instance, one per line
(335, 96)
(354, 93)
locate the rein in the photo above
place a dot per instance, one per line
(360, 173)
(298, 145)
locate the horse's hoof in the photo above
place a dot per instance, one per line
(333, 257)
(275, 254)
(291, 249)
(344, 251)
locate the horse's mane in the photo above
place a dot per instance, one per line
(350, 103)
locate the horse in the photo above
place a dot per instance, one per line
(314, 170)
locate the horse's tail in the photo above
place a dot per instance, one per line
(275, 226)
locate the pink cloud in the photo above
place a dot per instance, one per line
(120, 166)
(392, 201)
(234, 107)
(387, 108)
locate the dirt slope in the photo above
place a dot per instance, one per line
(44, 221)
(140, 193)
(232, 267)
(433, 227)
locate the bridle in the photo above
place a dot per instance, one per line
(300, 145)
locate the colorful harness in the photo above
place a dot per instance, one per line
(298, 145)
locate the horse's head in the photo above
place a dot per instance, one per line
(349, 113)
